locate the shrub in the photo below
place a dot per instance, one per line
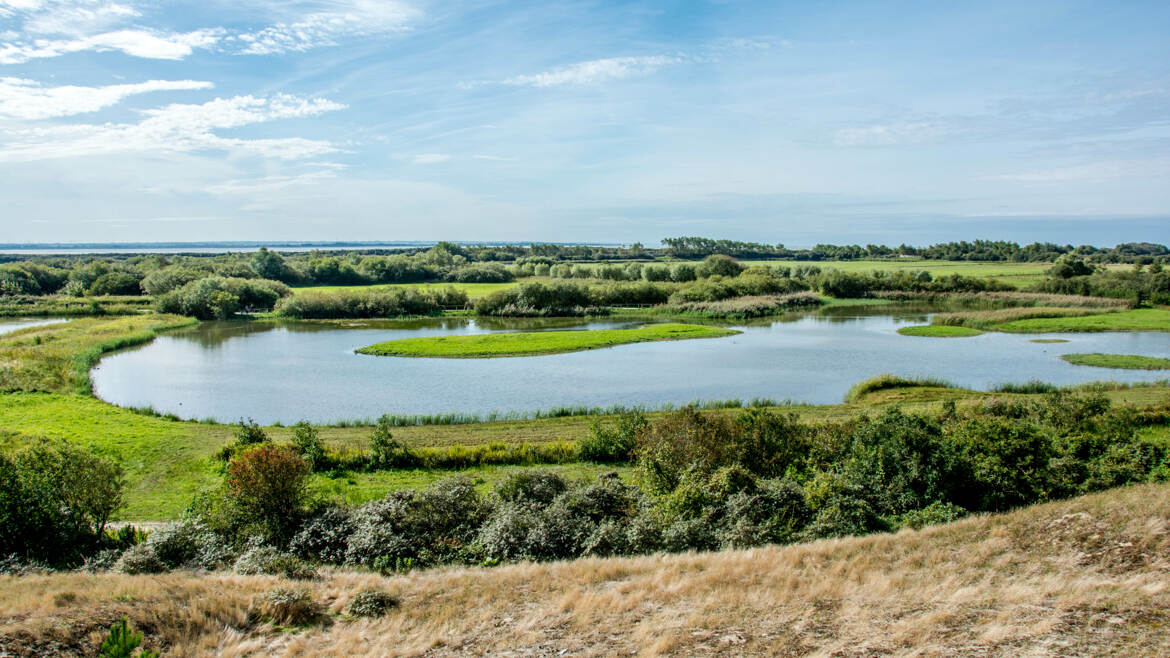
(385, 452)
(139, 559)
(116, 283)
(775, 512)
(55, 500)
(369, 303)
(612, 442)
(307, 441)
(536, 486)
(937, 513)
(324, 536)
(480, 273)
(291, 607)
(268, 561)
(718, 264)
(268, 485)
(372, 602)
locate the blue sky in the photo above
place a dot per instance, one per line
(792, 122)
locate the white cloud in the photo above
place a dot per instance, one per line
(51, 28)
(595, 71)
(134, 42)
(1093, 172)
(26, 99)
(324, 28)
(890, 134)
(430, 158)
(177, 128)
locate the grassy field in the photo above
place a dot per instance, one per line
(1087, 576)
(532, 343)
(1124, 361)
(939, 331)
(1139, 319)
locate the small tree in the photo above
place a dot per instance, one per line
(268, 485)
(308, 442)
(384, 450)
(121, 643)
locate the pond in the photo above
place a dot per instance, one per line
(9, 325)
(291, 371)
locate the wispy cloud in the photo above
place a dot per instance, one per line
(430, 158)
(178, 128)
(51, 28)
(27, 99)
(893, 134)
(595, 71)
(326, 28)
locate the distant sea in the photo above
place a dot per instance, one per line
(66, 248)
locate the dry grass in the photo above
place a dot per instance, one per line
(988, 319)
(1089, 576)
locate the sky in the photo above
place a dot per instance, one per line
(605, 121)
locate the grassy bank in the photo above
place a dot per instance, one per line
(1085, 576)
(1140, 319)
(939, 331)
(532, 343)
(1123, 361)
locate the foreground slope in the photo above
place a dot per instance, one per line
(1087, 576)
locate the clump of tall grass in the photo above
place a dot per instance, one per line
(752, 306)
(1000, 299)
(888, 381)
(1030, 387)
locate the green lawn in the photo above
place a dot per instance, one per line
(531, 343)
(939, 331)
(1140, 319)
(1124, 361)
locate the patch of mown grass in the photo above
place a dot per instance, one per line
(532, 343)
(939, 331)
(1140, 319)
(1123, 361)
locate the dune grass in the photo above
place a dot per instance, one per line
(1123, 361)
(889, 381)
(533, 343)
(1086, 576)
(939, 331)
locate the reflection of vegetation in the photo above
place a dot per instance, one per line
(1124, 361)
(939, 331)
(539, 342)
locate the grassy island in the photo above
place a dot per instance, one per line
(533, 343)
(1125, 361)
(939, 331)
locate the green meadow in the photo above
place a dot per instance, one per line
(533, 343)
(939, 331)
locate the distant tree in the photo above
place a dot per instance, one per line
(270, 265)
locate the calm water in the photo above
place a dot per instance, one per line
(305, 370)
(8, 325)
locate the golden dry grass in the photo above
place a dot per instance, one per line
(1089, 576)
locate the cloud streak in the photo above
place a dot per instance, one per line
(178, 128)
(595, 71)
(27, 99)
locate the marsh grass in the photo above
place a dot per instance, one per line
(890, 381)
(939, 331)
(1122, 361)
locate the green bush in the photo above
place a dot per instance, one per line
(612, 442)
(372, 602)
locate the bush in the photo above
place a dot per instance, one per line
(121, 642)
(369, 303)
(324, 537)
(613, 443)
(535, 486)
(385, 452)
(55, 500)
(268, 561)
(372, 602)
(140, 559)
(268, 486)
(717, 264)
(116, 283)
(480, 273)
(537, 299)
(307, 442)
(290, 607)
